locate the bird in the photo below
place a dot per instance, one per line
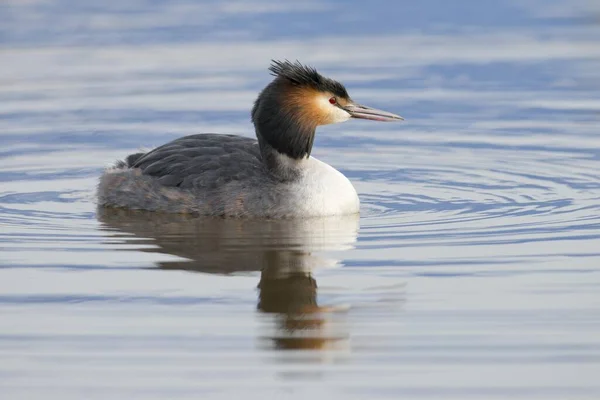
(272, 176)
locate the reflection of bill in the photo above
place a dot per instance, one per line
(284, 251)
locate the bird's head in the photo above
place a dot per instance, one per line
(288, 111)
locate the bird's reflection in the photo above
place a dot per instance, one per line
(284, 251)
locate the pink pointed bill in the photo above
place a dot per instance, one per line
(364, 112)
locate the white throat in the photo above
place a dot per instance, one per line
(322, 190)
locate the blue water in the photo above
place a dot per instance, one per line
(472, 272)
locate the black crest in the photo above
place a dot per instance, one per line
(303, 75)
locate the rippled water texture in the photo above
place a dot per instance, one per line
(473, 271)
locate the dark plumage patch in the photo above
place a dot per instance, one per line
(132, 158)
(204, 161)
(303, 75)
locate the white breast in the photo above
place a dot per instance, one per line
(323, 190)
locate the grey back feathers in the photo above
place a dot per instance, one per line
(203, 161)
(205, 174)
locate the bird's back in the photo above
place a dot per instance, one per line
(209, 174)
(204, 161)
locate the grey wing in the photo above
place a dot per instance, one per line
(204, 161)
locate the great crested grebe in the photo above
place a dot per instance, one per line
(235, 176)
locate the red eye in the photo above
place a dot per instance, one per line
(332, 100)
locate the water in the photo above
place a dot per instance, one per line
(473, 271)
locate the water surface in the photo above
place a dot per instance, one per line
(472, 272)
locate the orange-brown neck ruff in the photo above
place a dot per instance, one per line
(304, 104)
(284, 119)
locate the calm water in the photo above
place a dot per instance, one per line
(472, 272)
